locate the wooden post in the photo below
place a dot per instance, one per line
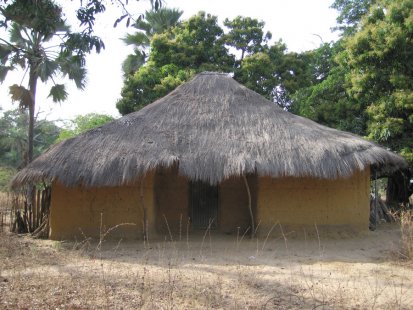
(376, 220)
(144, 211)
(249, 205)
(37, 214)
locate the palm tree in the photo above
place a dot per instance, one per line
(156, 21)
(42, 45)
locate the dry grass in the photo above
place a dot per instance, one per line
(406, 227)
(5, 201)
(5, 209)
(219, 272)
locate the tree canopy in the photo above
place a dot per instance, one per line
(201, 44)
(380, 57)
(155, 22)
(82, 123)
(350, 14)
(14, 139)
(42, 45)
(366, 86)
(176, 54)
(326, 100)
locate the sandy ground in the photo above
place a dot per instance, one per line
(218, 272)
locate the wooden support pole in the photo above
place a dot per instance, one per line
(144, 211)
(376, 215)
(37, 214)
(249, 205)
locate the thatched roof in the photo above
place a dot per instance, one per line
(212, 128)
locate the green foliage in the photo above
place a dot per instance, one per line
(268, 70)
(256, 73)
(407, 153)
(33, 26)
(155, 22)
(177, 54)
(4, 70)
(6, 174)
(79, 44)
(14, 139)
(82, 123)
(150, 83)
(200, 44)
(363, 79)
(87, 11)
(41, 16)
(293, 74)
(350, 14)
(380, 56)
(58, 93)
(194, 44)
(326, 100)
(246, 35)
(275, 74)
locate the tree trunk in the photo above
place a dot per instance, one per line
(30, 195)
(32, 105)
(398, 187)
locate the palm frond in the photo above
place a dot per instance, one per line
(163, 19)
(5, 51)
(142, 25)
(60, 28)
(73, 68)
(3, 72)
(18, 59)
(79, 77)
(47, 69)
(16, 36)
(20, 94)
(58, 93)
(133, 62)
(137, 39)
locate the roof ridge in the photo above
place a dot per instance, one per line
(214, 73)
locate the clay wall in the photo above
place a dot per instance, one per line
(301, 204)
(78, 212)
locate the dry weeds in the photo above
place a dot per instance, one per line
(219, 272)
(5, 209)
(406, 226)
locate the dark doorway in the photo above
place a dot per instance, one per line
(203, 204)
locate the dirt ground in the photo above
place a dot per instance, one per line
(215, 272)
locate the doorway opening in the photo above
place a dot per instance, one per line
(203, 205)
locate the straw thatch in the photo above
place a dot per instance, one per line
(212, 128)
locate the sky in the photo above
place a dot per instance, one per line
(301, 24)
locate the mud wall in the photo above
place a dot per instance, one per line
(233, 207)
(172, 203)
(301, 204)
(171, 199)
(78, 213)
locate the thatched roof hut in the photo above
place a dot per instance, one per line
(191, 153)
(213, 128)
